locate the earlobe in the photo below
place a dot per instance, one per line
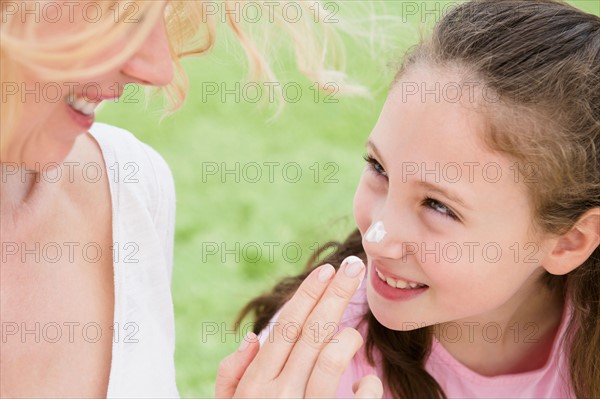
(575, 246)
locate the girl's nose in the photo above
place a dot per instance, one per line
(152, 64)
(388, 236)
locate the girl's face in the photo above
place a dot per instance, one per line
(456, 216)
(55, 113)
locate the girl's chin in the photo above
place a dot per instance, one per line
(389, 318)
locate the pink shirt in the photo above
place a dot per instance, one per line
(458, 381)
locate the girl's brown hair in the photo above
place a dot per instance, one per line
(541, 58)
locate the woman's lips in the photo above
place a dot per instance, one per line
(82, 109)
(82, 120)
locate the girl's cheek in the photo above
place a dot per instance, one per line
(364, 206)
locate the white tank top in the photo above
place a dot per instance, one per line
(143, 212)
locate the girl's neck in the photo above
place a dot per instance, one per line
(515, 338)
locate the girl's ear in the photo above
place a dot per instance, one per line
(572, 249)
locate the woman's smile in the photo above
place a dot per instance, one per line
(83, 110)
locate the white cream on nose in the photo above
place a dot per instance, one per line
(376, 232)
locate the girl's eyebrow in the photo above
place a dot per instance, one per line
(430, 186)
(448, 194)
(372, 146)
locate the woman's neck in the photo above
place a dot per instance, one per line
(17, 188)
(515, 338)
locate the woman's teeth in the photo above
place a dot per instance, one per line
(402, 284)
(82, 105)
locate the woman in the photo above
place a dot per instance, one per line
(87, 210)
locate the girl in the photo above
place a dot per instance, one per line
(85, 278)
(478, 213)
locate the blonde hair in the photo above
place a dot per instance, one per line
(191, 28)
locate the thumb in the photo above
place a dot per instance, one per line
(369, 386)
(233, 367)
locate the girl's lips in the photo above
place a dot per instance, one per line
(391, 293)
(397, 282)
(379, 268)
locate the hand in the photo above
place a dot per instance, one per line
(310, 363)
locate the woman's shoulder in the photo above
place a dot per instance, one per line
(121, 146)
(143, 209)
(133, 167)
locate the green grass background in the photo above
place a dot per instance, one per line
(213, 210)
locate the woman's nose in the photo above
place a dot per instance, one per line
(152, 64)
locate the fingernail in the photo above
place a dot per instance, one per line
(326, 273)
(250, 336)
(353, 266)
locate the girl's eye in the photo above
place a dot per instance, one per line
(439, 208)
(431, 203)
(375, 166)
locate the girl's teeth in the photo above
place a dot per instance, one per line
(401, 284)
(398, 283)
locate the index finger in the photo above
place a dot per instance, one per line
(273, 355)
(325, 316)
